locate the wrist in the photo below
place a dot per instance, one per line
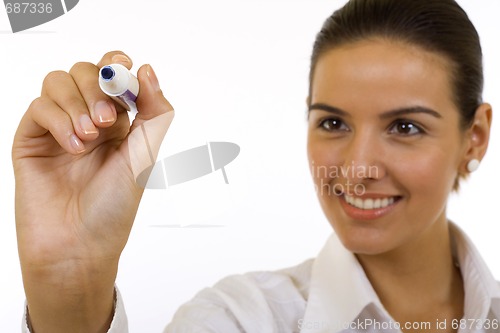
(71, 298)
(73, 275)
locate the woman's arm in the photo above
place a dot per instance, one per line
(76, 159)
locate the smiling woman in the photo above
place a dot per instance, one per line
(395, 120)
(398, 116)
(402, 121)
(397, 86)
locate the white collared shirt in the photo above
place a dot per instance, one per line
(328, 294)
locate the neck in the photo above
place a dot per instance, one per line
(422, 273)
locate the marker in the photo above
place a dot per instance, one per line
(189, 164)
(117, 82)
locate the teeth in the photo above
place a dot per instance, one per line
(369, 203)
(358, 202)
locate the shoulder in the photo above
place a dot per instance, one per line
(261, 290)
(275, 298)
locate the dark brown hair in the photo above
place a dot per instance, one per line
(439, 26)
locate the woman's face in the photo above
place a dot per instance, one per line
(384, 143)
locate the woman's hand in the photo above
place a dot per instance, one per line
(76, 159)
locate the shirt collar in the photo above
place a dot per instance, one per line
(482, 291)
(340, 291)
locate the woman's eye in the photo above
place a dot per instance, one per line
(405, 128)
(333, 124)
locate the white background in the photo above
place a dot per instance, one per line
(235, 71)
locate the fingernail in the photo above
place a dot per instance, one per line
(152, 78)
(120, 59)
(86, 125)
(104, 112)
(76, 143)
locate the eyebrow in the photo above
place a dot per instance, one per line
(328, 108)
(389, 114)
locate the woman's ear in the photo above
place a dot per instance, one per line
(478, 135)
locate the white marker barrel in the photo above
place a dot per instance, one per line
(117, 82)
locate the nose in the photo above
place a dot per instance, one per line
(363, 158)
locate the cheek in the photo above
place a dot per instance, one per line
(424, 174)
(324, 160)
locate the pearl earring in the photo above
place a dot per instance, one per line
(473, 165)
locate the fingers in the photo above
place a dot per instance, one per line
(73, 108)
(78, 93)
(103, 112)
(115, 57)
(46, 116)
(61, 88)
(100, 107)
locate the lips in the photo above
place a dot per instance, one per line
(368, 207)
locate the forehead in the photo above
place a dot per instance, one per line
(381, 75)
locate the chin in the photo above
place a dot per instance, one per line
(364, 240)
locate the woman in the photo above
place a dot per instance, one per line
(396, 119)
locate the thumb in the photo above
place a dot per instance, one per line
(149, 126)
(150, 102)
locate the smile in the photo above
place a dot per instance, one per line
(369, 203)
(368, 208)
